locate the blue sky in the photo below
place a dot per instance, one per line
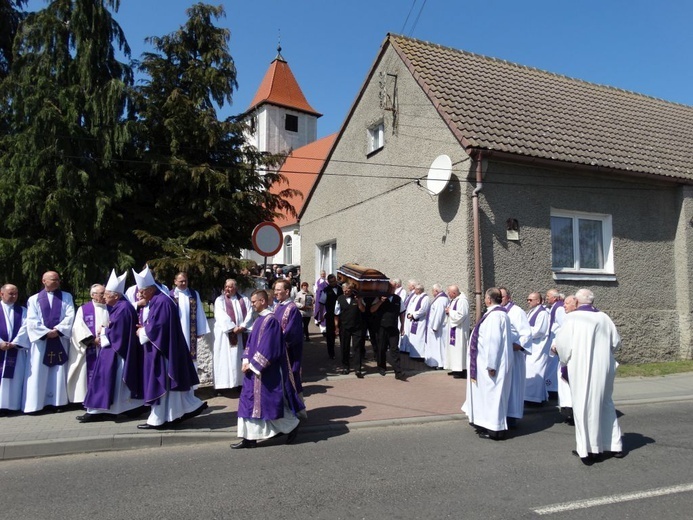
(330, 45)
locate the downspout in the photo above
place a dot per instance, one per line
(477, 238)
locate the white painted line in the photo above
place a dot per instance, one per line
(613, 499)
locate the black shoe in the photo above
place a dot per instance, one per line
(401, 376)
(618, 454)
(195, 412)
(244, 443)
(292, 435)
(92, 417)
(360, 374)
(146, 426)
(344, 371)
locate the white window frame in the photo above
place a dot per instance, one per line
(576, 272)
(326, 256)
(376, 136)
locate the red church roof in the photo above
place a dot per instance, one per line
(279, 87)
(301, 168)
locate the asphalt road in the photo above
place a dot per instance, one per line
(439, 470)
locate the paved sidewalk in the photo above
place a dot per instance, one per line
(335, 403)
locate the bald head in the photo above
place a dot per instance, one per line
(9, 294)
(51, 281)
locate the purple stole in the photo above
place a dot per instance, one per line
(193, 318)
(89, 316)
(474, 342)
(453, 330)
(415, 323)
(8, 358)
(554, 310)
(533, 319)
(51, 317)
(587, 307)
(233, 337)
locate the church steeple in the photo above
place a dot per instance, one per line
(279, 87)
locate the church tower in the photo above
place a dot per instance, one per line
(279, 116)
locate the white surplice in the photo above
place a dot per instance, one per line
(586, 342)
(458, 319)
(227, 357)
(77, 359)
(436, 340)
(45, 385)
(521, 334)
(12, 389)
(487, 397)
(536, 361)
(417, 340)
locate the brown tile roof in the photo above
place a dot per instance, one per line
(496, 105)
(279, 87)
(301, 168)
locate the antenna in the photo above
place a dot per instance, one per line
(439, 174)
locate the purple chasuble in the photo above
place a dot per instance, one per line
(89, 317)
(8, 358)
(453, 329)
(55, 353)
(262, 396)
(415, 323)
(167, 362)
(292, 328)
(474, 342)
(122, 336)
(319, 309)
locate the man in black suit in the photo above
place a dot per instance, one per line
(349, 323)
(388, 310)
(331, 293)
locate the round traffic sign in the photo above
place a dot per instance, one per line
(267, 238)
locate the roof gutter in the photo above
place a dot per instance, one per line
(477, 236)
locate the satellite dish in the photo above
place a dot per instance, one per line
(439, 174)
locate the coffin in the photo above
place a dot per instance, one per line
(369, 282)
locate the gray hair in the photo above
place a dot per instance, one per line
(585, 297)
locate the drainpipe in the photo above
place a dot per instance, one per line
(477, 237)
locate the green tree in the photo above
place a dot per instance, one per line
(61, 182)
(10, 16)
(201, 194)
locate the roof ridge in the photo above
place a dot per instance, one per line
(537, 69)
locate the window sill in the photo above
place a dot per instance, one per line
(373, 152)
(594, 277)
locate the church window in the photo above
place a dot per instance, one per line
(288, 250)
(291, 123)
(581, 244)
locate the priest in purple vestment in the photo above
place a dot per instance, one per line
(169, 374)
(291, 322)
(269, 403)
(116, 384)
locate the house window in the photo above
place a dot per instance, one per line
(291, 123)
(581, 244)
(288, 250)
(376, 137)
(327, 258)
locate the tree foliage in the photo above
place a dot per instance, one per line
(65, 99)
(97, 173)
(200, 194)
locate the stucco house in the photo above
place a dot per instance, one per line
(555, 182)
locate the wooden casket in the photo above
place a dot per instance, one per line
(369, 282)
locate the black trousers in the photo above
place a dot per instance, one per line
(306, 322)
(329, 334)
(388, 341)
(347, 338)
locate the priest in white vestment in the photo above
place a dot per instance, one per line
(456, 332)
(193, 319)
(522, 347)
(435, 338)
(416, 317)
(405, 326)
(90, 319)
(586, 343)
(490, 367)
(536, 361)
(554, 304)
(233, 318)
(14, 344)
(50, 315)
